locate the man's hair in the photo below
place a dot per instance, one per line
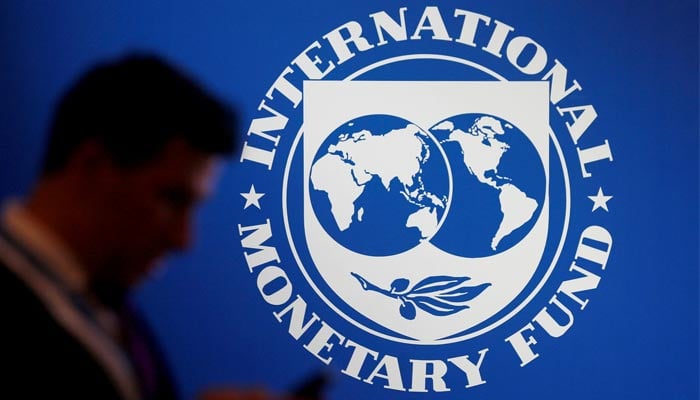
(133, 107)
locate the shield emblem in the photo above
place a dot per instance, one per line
(426, 204)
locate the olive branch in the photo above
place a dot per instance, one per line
(436, 295)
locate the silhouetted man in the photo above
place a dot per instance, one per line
(131, 153)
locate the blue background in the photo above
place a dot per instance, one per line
(637, 62)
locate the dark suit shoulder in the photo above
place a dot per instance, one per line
(43, 359)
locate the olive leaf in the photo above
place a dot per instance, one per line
(435, 295)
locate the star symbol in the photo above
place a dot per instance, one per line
(600, 200)
(252, 198)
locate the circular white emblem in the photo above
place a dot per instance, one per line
(414, 197)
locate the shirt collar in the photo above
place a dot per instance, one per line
(47, 246)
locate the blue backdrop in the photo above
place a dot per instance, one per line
(637, 62)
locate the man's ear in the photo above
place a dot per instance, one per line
(92, 161)
(90, 156)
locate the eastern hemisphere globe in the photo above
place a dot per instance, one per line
(499, 185)
(379, 185)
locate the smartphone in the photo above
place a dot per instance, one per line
(312, 388)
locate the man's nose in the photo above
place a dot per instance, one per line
(180, 234)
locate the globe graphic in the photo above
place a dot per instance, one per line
(499, 185)
(379, 185)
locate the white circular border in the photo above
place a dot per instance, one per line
(454, 339)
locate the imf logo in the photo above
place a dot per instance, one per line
(428, 228)
(414, 216)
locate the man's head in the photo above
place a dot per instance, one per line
(131, 149)
(134, 107)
